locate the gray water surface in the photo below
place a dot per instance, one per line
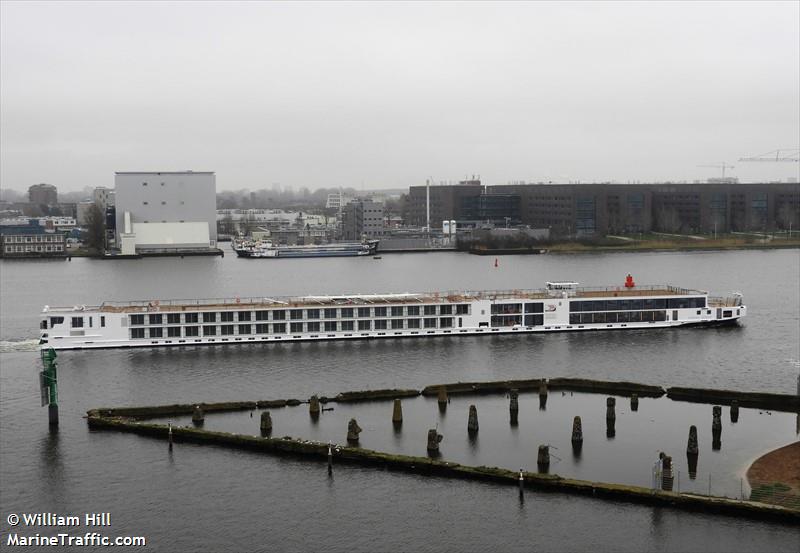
(208, 498)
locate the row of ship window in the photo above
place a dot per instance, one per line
(513, 308)
(281, 328)
(636, 305)
(514, 320)
(618, 317)
(298, 314)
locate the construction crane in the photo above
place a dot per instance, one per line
(776, 155)
(721, 165)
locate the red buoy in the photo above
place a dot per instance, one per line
(629, 281)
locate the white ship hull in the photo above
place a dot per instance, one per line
(357, 317)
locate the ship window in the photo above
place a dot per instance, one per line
(155, 319)
(173, 332)
(506, 320)
(380, 311)
(56, 321)
(412, 323)
(279, 328)
(43, 324)
(446, 310)
(363, 311)
(262, 329)
(156, 332)
(364, 325)
(279, 315)
(77, 322)
(207, 331)
(136, 320)
(245, 329)
(312, 313)
(446, 322)
(413, 309)
(429, 310)
(91, 322)
(174, 318)
(347, 313)
(296, 314)
(244, 315)
(192, 331)
(313, 327)
(190, 317)
(380, 324)
(727, 313)
(397, 311)
(137, 333)
(226, 316)
(462, 309)
(262, 315)
(226, 330)
(330, 326)
(538, 307)
(296, 327)
(397, 324)
(330, 314)
(506, 308)
(347, 325)
(430, 322)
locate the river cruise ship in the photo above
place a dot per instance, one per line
(560, 306)
(268, 250)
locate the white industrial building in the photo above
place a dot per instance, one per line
(165, 211)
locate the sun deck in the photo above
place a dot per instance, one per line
(389, 299)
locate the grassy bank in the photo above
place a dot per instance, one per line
(683, 243)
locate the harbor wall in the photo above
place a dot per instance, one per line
(759, 400)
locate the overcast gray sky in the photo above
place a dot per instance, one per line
(385, 95)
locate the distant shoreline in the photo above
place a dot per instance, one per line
(644, 246)
(675, 248)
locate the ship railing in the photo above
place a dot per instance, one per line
(421, 297)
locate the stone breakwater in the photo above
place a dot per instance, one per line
(779, 402)
(128, 419)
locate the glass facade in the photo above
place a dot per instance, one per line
(585, 216)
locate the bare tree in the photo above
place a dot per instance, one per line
(788, 216)
(95, 229)
(668, 219)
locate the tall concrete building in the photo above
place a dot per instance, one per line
(445, 202)
(45, 194)
(362, 218)
(167, 210)
(103, 197)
